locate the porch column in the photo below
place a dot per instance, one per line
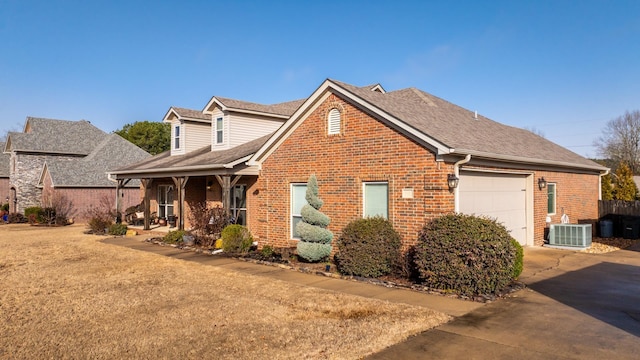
(181, 184)
(146, 186)
(226, 183)
(119, 185)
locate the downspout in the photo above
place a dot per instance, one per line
(600, 184)
(456, 172)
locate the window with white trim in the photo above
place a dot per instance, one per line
(238, 204)
(219, 130)
(551, 198)
(298, 200)
(165, 201)
(333, 122)
(176, 137)
(375, 199)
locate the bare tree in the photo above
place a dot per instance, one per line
(535, 130)
(620, 140)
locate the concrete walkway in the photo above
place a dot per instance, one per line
(450, 306)
(576, 306)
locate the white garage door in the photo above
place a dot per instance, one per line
(499, 196)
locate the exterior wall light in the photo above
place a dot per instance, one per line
(452, 181)
(542, 183)
(209, 184)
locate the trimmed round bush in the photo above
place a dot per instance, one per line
(236, 239)
(368, 247)
(174, 236)
(465, 254)
(314, 252)
(117, 229)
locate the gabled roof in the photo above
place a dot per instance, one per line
(198, 160)
(281, 110)
(55, 137)
(445, 128)
(187, 114)
(4, 162)
(91, 171)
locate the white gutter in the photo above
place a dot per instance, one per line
(456, 172)
(600, 183)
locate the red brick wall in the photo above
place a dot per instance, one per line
(577, 194)
(366, 150)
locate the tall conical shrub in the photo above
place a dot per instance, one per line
(315, 239)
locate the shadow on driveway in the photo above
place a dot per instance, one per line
(607, 291)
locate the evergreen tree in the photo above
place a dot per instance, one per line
(607, 187)
(315, 238)
(625, 188)
(152, 137)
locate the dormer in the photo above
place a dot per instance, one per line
(235, 122)
(190, 129)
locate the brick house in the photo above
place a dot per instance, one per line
(69, 158)
(406, 155)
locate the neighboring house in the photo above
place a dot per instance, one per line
(4, 176)
(405, 155)
(68, 158)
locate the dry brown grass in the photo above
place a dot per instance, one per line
(64, 294)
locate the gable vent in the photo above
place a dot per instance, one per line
(334, 122)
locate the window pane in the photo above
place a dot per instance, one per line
(219, 131)
(177, 131)
(551, 198)
(376, 200)
(177, 143)
(298, 198)
(294, 221)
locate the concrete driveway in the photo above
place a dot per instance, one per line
(576, 306)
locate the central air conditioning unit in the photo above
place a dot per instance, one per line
(573, 235)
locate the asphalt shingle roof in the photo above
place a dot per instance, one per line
(286, 108)
(458, 129)
(190, 113)
(57, 137)
(201, 157)
(91, 171)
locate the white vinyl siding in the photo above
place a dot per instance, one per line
(244, 128)
(196, 135)
(298, 193)
(375, 199)
(333, 122)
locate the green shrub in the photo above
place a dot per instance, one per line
(35, 214)
(118, 229)
(99, 225)
(236, 239)
(465, 254)
(5, 207)
(368, 247)
(267, 251)
(173, 237)
(518, 264)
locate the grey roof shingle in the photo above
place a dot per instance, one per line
(4, 162)
(91, 171)
(197, 158)
(458, 129)
(57, 137)
(286, 108)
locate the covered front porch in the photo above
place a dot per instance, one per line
(172, 185)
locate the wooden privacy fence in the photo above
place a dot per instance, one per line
(618, 207)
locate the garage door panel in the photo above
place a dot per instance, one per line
(498, 196)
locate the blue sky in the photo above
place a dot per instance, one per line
(563, 68)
